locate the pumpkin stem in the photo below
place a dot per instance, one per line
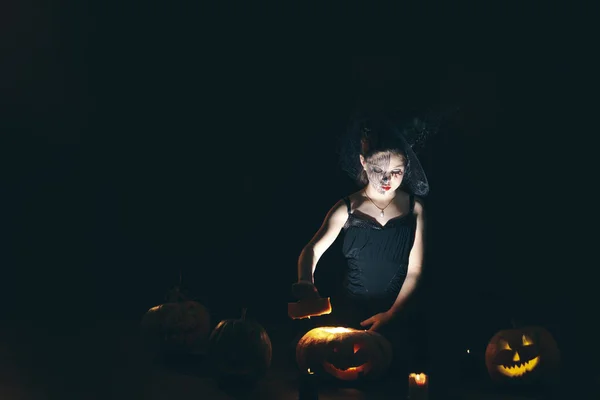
(244, 313)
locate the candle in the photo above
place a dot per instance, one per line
(418, 385)
(308, 386)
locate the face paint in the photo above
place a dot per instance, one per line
(381, 177)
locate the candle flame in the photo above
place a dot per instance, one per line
(420, 379)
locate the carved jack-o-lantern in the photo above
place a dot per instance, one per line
(343, 353)
(522, 355)
(179, 326)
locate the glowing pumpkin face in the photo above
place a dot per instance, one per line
(511, 364)
(522, 355)
(343, 353)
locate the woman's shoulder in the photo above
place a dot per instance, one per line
(346, 204)
(358, 195)
(339, 211)
(354, 199)
(418, 205)
(415, 203)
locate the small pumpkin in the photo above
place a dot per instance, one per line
(522, 355)
(240, 350)
(344, 354)
(179, 326)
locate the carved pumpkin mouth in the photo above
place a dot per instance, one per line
(519, 369)
(348, 374)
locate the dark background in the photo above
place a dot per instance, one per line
(139, 142)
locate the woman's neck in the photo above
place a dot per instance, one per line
(375, 195)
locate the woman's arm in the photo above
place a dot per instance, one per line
(415, 260)
(323, 239)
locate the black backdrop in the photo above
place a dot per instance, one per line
(140, 142)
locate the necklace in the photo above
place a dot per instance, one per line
(380, 209)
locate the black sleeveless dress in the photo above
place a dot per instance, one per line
(376, 267)
(376, 264)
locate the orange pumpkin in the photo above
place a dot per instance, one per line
(178, 326)
(343, 353)
(240, 351)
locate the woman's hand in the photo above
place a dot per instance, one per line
(378, 320)
(305, 290)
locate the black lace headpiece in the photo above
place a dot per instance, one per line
(369, 134)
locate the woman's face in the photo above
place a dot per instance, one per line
(385, 171)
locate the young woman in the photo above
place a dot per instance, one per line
(383, 225)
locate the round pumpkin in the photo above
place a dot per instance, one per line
(344, 354)
(178, 326)
(240, 350)
(524, 355)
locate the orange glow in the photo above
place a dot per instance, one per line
(348, 374)
(336, 329)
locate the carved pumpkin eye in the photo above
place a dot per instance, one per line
(504, 345)
(356, 347)
(527, 340)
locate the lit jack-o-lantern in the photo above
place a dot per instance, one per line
(343, 353)
(522, 355)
